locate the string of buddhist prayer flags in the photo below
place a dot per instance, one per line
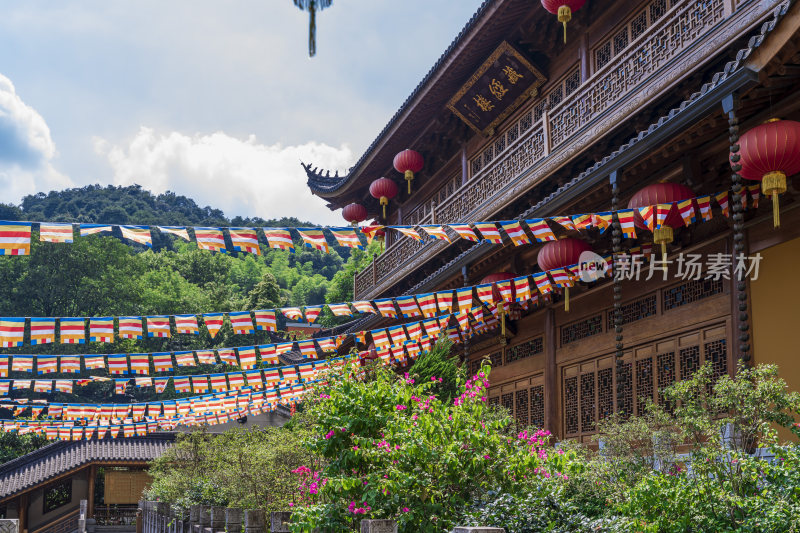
(15, 236)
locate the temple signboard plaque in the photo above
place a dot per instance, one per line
(496, 89)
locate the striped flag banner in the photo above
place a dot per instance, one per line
(506, 290)
(15, 238)
(292, 313)
(247, 357)
(187, 324)
(63, 385)
(436, 232)
(245, 240)
(283, 347)
(445, 301)
(218, 383)
(140, 363)
(722, 200)
(340, 309)
(602, 221)
(265, 320)
(464, 231)
(380, 337)
(414, 330)
(312, 312)
(686, 209)
(3, 366)
(206, 357)
(371, 232)
(648, 215)
(139, 234)
(522, 289)
(704, 205)
(755, 194)
(307, 348)
(306, 371)
(489, 232)
(185, 359)
(326, 344)
(364, 307)
(158, 326)
(582, 221)
(4, 386)
(427, 304)
(236, 381)
(626, 223)
(46, 364)
(72, 330)
(130, 327)
(210, 239)
(55, 232)
(542, 282)
(22, 384)
(662, 211)
(178, 231)
(213, 322)
(561, 278)
(241, 322)
(464, 297)
(408, 306)
(117, 364)
(397, 334)
(94, 362)
(564, 222)
(541, 231)
(314, 238)
(43, 330)
(160, 385)
(119, 388)
(485, 293)
(93, 229)
(162, 362)
(101, 329)
(228, 356)
(182, 384)
(143, 381)
(289, 374)
(200, 384)
(516, 232)
(386, 307)
(347, 237)
(408, 231)
(268, 355)
(279, 238)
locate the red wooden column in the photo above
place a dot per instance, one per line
(550, 374)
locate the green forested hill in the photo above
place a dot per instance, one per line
(103, 276)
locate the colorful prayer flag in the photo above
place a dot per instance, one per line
(247, 357)
(206, 357)
(648, 216)
(279, 239)
(489, 232)
(72, 330)
(119, 388)
(704, 204)
(187, 324)
(397, 334)
(541, 231)
(130, 327)
(522, 289)
(254, 379)
(602, 221)
(241, 322)
(210, 239)
(43, 330)
(178, 231)
(162, 361)
(93, 229)
(414, 330)
(307, 348)
(364, 307)
(432, 327)
(686, 209)
(626, 223)
(722, 200)
(444, 300)
(755, 193)
(580, 222)
(314, 238)
(12, 331)
(92, 362)
(140, 234)
(292, 313)
(436, 232)
(408, 306)
(427, 304)
(213, 322)
(515, 231)
(117, 363)
(386, 307)
(245, 240)
(662, 211)
(408, 231)
(219, 383)
(347, 237)
(464, 231)
(564, 222)
(63, 385)
(485, 293)
(227, 355)
(265, 320)
(464, 297)
(371, 232)
(55, 232)
(158, 326)
(312, 312)
(326, 344)
(380, 338)
(101, 329)
(15, 238)
(542, 282)
(199, 384)
(140, 363)
(340, 309)
(185, 359)
(561, 277)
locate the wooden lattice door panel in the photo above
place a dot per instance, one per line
(524, 400)
(125, 486)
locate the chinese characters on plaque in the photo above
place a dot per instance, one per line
(496, 89)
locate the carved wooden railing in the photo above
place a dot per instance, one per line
(544, 144)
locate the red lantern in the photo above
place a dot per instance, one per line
(408, 162)
(770, 152)
(501, 304)
(354, 213)
(564, 9)
(384, 190)
(661, 193)
(562, 253)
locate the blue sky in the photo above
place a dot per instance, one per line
(214, 99)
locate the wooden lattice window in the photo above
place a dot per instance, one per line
(690, 292)
(625, 389)
(537, 406)
(716, 352)
(521, 406)
(665, 373)
(605, 392)
(588, 414)
(494, 400)
(571, 405)
(57, 495)
(633, 311)
(507, 401)
(581, 329)
(644, 384)
(474, 366)
(496, 359)
(619, 39)
(524, 350)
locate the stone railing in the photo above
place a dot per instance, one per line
(684, 38)
(157, 517)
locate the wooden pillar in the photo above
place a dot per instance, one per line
(90, 496)
(550, 373)
(583, 52)
(464, 165)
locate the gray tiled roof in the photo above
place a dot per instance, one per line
(55, 459)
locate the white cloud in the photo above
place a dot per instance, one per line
(26, 148)
(241, 177)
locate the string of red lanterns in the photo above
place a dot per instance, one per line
(564, 10)
(562, 253)
(661, 194)
(408, 162)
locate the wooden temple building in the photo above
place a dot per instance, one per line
(641, 92)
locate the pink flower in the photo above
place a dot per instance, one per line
(401, 407)
(405, 509)
(329, 434)
(355, 448)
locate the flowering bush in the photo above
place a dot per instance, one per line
(394, 450)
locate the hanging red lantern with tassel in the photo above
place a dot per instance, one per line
(502, 305)
(408, 162)
(769, 153)
(562, 253)
(384, 190)
(663, 225)
(354, 213)
(564, 10)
